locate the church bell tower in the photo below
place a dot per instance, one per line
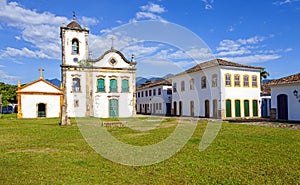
(74, 44)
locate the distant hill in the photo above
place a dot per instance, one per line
(142, 80)
(55, 82)
(264, 81)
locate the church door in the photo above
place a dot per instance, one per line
(41, 110)
(282, 106)
(113, 108)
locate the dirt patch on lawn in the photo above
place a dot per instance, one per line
(274, 125)
(34, 150)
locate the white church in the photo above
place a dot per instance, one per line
(102, 87)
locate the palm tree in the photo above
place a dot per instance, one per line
(264, 74)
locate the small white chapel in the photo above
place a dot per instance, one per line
(39, 99)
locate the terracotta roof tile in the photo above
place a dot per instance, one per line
(265, 90)
(74, 25)
(216, 62)
(286, 80)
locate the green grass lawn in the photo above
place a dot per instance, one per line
(42, 152)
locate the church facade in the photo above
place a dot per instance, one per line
(103, 87)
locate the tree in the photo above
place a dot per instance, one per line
(9, 93)
(264, 74)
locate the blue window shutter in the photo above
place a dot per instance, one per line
(101, 87)
(125, 87)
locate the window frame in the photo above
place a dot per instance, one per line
(237, 83)
(98, 84)
(203, 82)
(229, 80)
(110, 88)
(246, 85)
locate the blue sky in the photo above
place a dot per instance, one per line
(263, 33)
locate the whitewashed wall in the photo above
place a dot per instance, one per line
(152, 100)
(29, 105)
(293, 102)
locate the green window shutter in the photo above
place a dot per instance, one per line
(101, 87)
(113, 85)
(237, 108)
(255, 111)
(228, 108)
(125, 87)
(246, 108)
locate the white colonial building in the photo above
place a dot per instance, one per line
(39, 99)
(217, 89)
(154, 98)
(285, 98)
(102, 87)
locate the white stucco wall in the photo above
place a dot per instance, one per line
(82, 55)
(219, 93)
(240, 93)
(198, 95)
(293, 101)
(29, 105)
(155, 102)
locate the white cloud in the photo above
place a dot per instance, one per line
(41, 30)
(150, 11)
(248, 50)
(154, 8)
(231, 29)
(6, 77)
(87, 21)
(208, 4)
(254, 58)
(283, 2)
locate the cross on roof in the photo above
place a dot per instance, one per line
(112, 42)
(41, 72)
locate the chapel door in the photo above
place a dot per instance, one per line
(113, 108)
(41, 113)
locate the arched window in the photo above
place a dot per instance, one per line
(75, 46)
(100, 85)
(203, 82)
(76, 85)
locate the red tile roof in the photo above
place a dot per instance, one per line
(216, 62)
(286, 80)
